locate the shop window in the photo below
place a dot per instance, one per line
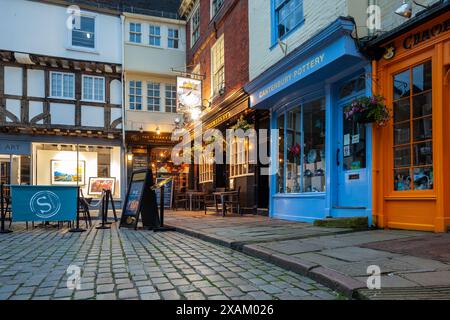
(218, 67)
(85, 35)
(302, 149)
(288, 15)
(153, 96)
(56, 164)
(155, 36)
(206, 168)
(239, 157)
(173, 38)
(280, 173)
(62, 85)
(195, 25)
(135, 32)
(135, 95)
(93, 88)
(171, 98)
(413, 129)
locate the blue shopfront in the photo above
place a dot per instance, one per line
(321, 161)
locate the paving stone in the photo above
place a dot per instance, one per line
(194, 296)
(84, 295)
(105, 288)
(128, 293)
(210, 291)
(164, 286)
(170, 295)
(106, 296)
(150, 296)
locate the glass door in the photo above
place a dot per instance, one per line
(351, 161)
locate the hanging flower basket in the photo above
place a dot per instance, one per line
(368, 110)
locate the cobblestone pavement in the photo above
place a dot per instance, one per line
(127, 264)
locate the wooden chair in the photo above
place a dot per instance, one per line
(180, 198)
(233, 200)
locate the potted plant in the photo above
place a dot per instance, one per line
(368, 110)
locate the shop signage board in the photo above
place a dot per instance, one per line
(15, 147)
(140, 201)
(168, 191)
(189, 94)
(44, 203)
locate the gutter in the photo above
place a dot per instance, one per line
(124, 156)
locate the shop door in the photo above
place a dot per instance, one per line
(351, 161)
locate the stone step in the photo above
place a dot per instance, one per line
(353, 223)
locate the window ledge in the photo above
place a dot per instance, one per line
(61, 98)
(93, 101)
(145, 45)
(81, 49)
(301, 195)
(286, 35)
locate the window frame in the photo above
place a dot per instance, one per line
(217, 9)
(175, 40)
(153, 83)
(196, 30)
(135, 33)
(134, 95)
(62, 97)
(206, 169)
(173, 108)
(240, 158)
(412, 141)
(215, 70)
(154, 35)
(93, 88)
(82, 48)
(274, 24)
(282, 159)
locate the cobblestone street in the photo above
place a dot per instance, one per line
(129, 264)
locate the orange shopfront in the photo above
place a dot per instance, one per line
(411, 155)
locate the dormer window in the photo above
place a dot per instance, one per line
(83, 34)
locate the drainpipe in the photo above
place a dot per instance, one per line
(125, 160)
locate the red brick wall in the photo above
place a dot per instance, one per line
(232, 21)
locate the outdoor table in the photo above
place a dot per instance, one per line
(191, 194)
(222, 196)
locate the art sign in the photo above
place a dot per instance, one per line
(44, 203)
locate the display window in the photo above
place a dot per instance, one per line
(302, 148)
(413, 129)
(98, 167)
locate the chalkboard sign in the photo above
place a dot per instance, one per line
(140, 201)
(168, 192)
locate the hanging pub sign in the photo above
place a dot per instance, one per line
(189, 94)
(44, 203)
(140, 201)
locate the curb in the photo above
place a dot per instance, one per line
(332, 279)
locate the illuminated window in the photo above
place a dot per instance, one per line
(218, 67)
(206, 169)
(413, 129)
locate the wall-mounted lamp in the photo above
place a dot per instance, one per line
(406, 10)
(158, 130)
(130, 155)
(141, 129)
(59, 147)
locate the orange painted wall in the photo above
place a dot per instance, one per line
(414, 210)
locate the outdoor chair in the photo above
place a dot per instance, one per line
(233, 201)
(180, 198)
(84, 204)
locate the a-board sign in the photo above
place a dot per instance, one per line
(168, 191)
(140, 201)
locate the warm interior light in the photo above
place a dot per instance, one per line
(130, 156)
